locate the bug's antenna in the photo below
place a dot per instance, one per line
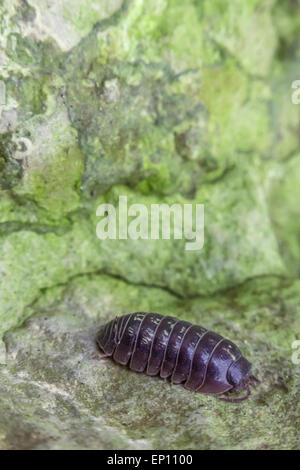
(238, 399)
(253, 381)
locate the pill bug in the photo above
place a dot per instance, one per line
(188, 354)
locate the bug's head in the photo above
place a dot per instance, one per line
(240, 378)
(238, 373)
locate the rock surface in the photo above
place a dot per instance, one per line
(161, 101)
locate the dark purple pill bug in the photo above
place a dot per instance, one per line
(188, 354)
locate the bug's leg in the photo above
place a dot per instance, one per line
(99, 356)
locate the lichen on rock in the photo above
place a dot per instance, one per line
(163, 102)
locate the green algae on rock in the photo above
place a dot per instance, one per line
(161, 101)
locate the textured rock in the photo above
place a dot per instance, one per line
(161, 101)
(57, 395)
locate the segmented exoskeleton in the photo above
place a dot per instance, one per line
(187, 354)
